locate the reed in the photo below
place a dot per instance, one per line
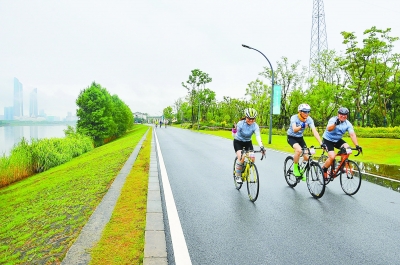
(28, 158)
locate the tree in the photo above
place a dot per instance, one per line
(167, 112)
(290, 77)
(257, 91)
(122, 116)
(206, 98)
(95, 113)
(370, 68)
(196, 80)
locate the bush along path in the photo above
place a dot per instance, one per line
(43, 215)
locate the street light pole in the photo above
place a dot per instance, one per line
(272, 93)
(198, 113)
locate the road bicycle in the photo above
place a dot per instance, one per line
(312, 170)
(347, 170)
(249, 174)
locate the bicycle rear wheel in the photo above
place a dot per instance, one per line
(350, 178)
(288, 171)
(253, 183)
(238, 186)
(315, 180)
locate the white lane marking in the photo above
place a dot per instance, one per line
(181, 252)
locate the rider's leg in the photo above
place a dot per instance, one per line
(296, 158)
(239, 166)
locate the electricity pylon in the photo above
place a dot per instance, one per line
(319, 40)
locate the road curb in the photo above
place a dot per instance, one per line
(155, 249)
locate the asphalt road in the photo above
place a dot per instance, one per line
(284, 226)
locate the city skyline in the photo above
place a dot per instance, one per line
(15, 110)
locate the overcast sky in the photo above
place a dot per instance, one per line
(142, 50)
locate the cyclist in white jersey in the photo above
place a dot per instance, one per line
(332, 137)
(298, 123)
(242, 132)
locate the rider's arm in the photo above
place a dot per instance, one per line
(258, 138)
(331, 124)
(316, 135)
(353, 138)
(295, 128)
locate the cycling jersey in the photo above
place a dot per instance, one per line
(337, 133)
(295, 119)
(245, 131)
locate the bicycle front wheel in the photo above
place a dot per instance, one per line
(350, 178)
(288, 171)
(238, 186)
(253, 183)
(315, 180)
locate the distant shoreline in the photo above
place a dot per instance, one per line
(4, 123)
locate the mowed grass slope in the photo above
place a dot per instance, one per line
(122, 241)
(41, 216)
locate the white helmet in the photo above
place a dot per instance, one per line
(304, 107)
(250, 113)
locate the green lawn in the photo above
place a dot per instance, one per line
(375, 150)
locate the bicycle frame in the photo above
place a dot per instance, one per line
(311, 169)
(304, 168)
(249, 174)
(344, 157)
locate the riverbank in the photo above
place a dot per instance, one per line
(44, 214)
(36, 123)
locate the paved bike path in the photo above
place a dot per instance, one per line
(155, 246)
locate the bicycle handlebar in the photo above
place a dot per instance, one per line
(359, 151)
(255, 151)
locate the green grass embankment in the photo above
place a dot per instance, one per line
(42, 215)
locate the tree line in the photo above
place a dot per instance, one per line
(365, 79)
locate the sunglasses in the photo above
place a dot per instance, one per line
(251, 119)
(304, 111)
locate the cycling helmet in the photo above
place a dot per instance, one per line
(304, 107)
(343, 111)
(250, 113)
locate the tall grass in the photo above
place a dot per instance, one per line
(27, 159)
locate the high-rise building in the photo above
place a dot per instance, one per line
(8, 113)
(18, 99)
(33, 106)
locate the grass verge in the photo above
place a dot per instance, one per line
(375, 150)
(122, 241)
(42, 215)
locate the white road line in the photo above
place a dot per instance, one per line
(181, 252)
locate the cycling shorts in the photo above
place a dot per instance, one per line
(332, 145)
(238, 145)
(296, 140)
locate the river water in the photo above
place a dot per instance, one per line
(11, 135)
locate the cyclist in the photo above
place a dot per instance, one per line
(298, 123)
(244, 130)
(332, 137)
